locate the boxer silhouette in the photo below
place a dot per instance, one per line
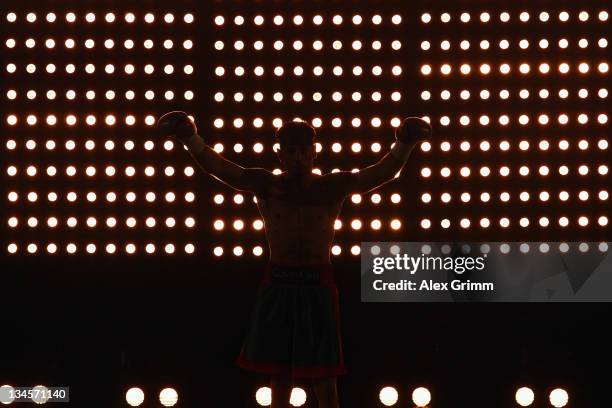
(294, 331)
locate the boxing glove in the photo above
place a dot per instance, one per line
(413, 130)
(178, 124)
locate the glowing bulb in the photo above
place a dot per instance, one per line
(134, 396)
(421, 397)
(168, 397)
(559, 397)
(524, 396)
(388, 396)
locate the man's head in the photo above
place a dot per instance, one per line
(297, 147)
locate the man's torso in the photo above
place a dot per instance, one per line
(299, 222)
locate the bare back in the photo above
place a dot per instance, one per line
(299, 222)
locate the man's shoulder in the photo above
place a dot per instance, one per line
(263, 181)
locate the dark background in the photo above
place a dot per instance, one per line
(182, 325)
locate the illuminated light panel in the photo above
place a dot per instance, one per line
(129, 117)
(243, 132)
(275, 36)
(578, 108)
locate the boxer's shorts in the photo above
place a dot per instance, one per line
(294, 330)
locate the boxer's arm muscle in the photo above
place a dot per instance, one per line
(371, 177)
(255, 180)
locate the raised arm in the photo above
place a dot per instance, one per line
(179, 125)
(408, 135)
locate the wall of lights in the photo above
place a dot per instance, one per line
(518, 98)
(521, 97)
(84, 173)
(344, 73)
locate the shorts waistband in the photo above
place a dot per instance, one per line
(310, 274)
